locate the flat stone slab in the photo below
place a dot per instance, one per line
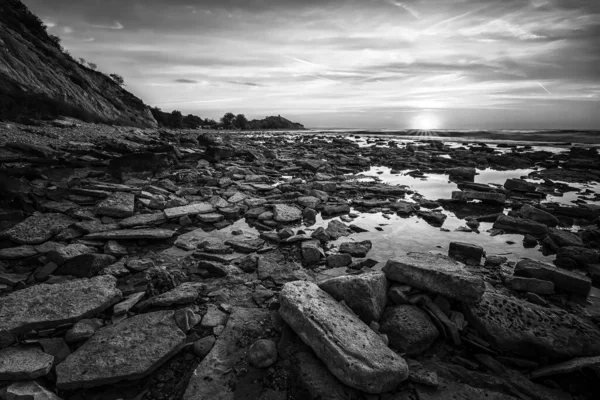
(24, 363)
(285, 213)
(128, 350)
(527, 329)
(130, 234)
(183, 294)
(213, 377)
(486, 197)
(455, 390)
(118, 205)
(143, 220)
(353, 352)
(190, 209)
(13, 253)
(562, 279)
(566, 367)
(436, 273)
(47, 306)
(29, 390)
(38, 228)
(519, 225)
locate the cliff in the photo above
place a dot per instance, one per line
(38, 80)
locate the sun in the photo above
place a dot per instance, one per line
(425, 121)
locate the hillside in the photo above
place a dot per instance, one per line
(274, 123)
(38, 80)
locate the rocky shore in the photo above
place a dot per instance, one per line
(156, 264)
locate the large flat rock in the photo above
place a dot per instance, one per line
(47, 306)
(143, 220)
(285, 213)
(23, 363)
(353, 352)
(436, 273)
(213, 377)
(130, 234)
(118, 205)
(128, 350)
(39, 228)
(524, 328)
(190, 209)
(566, 280)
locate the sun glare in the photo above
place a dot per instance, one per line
(425, 121)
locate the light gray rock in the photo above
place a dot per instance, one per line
(436, 273)
(38, 228)
(47, 306)
(128, 350)
(409, 329)
(308, 201)
(23, 363)
(285, 213)
(527, 329)
(62, 254)
(143, 220)
(336, 229)
(117, 205)
(210, 218)
(29, 390)
(83, 329)
(190, 209)
(185, 293)
(213, 317)
(353, 352)
(128, 303)
(203, 346)
(365, 294)
(130, 234)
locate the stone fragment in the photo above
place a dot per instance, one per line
(83, 329)
(210, 218)
(38, 228)
(23, 363)
(62, 254)
(308, 201)
(485, 197)
(286, 213)
(520, 185)
(365, 294)
(128, 303)
(519, 225)
(527, 329)
(262, 353)
(47, 306)
(128, 350)
(538, 215)
(335, 209)
(465, 251)
(85, 265)
(143, 220)
(311, 251)
(29, 390)
(562, 279)
(338, 260)
(532, 285)
(117, 205)
(564, 238)
(130, 234)
(14, 253)
(436, 273)
(190, 209)
(336, 229)
(455, 390)
(409, 329)
(356, 249)
(353, 352)
(185, 293)
(203, 346)
(566, 367)
(213, 317)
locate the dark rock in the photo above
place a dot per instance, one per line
(38, 228)
(336, 229)
(532, 285)
(538, 215)
(565, 280)
(118, 205)
(519, 225)
(85, 265)
(465, 251)
(356, 249)
(338, 260)
(262, 353)
(409, 329)
(485, 197)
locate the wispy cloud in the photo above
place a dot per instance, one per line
(183, 80)
(115, 26)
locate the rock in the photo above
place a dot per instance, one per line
(420, 375)
(131, 234)
(117, 205)
(336, 229)
(83, 329)
(465, 251)
(215, 377)
(210, 218)
(566, 367)
(185, 293)
(485, 197)
(213, 317)
(409, 329)
(437, 274)
(24, 363)
(246, 246)
(519, 225)
(462, 172)
(529, 241)
(285, 213)
(334, 209)
(433, 218)
(338, 260)
(128, 303)
(128, 350)
(311, 251)
(190, 209)
(47, 306)
(562, 279)
(279, 270)
(143, 220)
(85, 265)
(583, 257)
(520, 185)
(455, 390)
(308, 201)
(14, 253)
(532, 285)
(494, 261)
(262, 353)
(203, 346)
(365, 294)
(351, 350)
(523, 328)
(38, 228)
(62, 254)
(356, 249)
(564, 238)
(29, 390)
(537, 215)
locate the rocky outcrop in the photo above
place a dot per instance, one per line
(38, 79)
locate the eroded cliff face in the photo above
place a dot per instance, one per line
(38, 80)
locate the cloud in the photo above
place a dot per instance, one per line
(244, 83)
(115, 26)
(183, 80)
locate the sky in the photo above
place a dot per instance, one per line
(415, 64)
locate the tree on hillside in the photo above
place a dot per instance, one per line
(227, 120)
(240, 121)
(118, 79)
(176, 119)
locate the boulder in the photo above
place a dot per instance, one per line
(566, 280)
(409, 329)
(564, 238)
(583, 257)
(47, 306)
(117, 205)
(308, 201)
(190, 209)
(311, 251)
(465, 251)
(436, 273)
(38, 228)
(356, 249)
(336, 229)
(523, 328)
(24, 363)
(128, 350)
(519, 185)
(85, 265)
(365, 294)
(353, 352)
(285, 213)
(532, 285)
(537, 215)
(519, 225)
(338, 260)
